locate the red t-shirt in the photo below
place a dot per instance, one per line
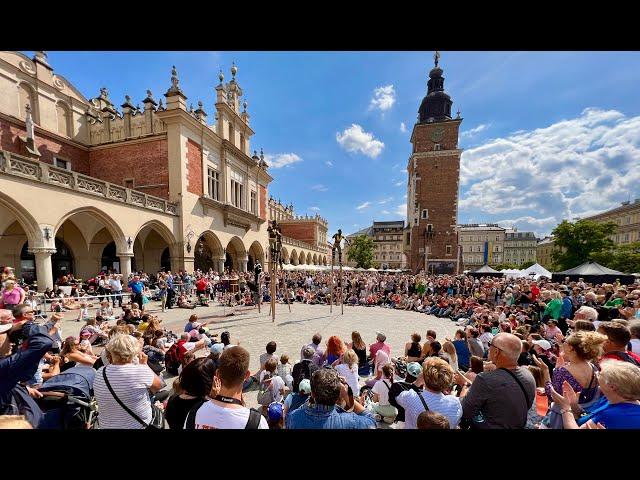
(616, 356)
(535, 291)
(201, 284)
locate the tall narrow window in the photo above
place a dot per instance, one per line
(213, 178)
(448, 249)
(254, 203)
(242, 144)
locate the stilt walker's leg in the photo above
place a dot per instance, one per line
(274, 279)
(341, 289)
(259, 292)
(331, 280)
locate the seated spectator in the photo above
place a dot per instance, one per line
(381, 407)
(429, 420)
(304, 368)
(348, 368)
(321, 411)
(192, 386)
(438, 378)
(412, 349)
(299, 398)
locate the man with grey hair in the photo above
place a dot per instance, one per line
(500, 398)
(379, 345)
(304, 368)
(587, 313)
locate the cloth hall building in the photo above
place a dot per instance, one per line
(87, 185)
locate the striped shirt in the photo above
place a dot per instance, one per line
(447, 405)
(130, 382)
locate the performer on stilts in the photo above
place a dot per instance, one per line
(275, 248)
(257, 271)
(337, 245)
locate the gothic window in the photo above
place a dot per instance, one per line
(64, 123)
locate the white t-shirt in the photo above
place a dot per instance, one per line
(382, 391)
(485, 338)
(130, 383)
(351, 375)
(211, 416)
(635, 345)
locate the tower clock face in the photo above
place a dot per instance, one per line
(437, 134)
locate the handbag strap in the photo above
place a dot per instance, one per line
(115, 397)
(426, 408)
(524, 392)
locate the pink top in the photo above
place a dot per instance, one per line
(12, 297)
(379, 346)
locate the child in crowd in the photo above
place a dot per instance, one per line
(83, 313)
(284, 371)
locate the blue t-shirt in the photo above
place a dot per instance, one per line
(136, 287)
(462, 350)
(617, 416)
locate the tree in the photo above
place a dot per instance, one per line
(505, 266)
(361, 251)
(624, 258)
(576, 243)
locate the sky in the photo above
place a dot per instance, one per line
(547, 136)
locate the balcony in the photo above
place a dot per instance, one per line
(19, 166)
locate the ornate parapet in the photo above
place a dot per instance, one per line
(297, 243)
(16, 165)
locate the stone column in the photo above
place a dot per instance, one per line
(44, 273)
(243, 263)
(220, 264)
(125, 266)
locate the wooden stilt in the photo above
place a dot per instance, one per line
(331, 294)
(274, 279)
(341, 291)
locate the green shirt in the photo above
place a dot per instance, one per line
(554, 307)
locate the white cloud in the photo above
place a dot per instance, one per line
(385, 212)
(399, 184)
(404, 196)
(279, 160)
(355, 139)
(383, 98)
(315, 209)
(329, 163)
(403, 127)
(320, 188)
(363, 206)
(575, 167)
(401, 210)
(480, 128)
(385, 200)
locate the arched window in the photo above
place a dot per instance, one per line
(27, 97)
(64, 123)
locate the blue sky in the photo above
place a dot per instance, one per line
(547, 135)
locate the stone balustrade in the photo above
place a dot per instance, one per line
(20, 166)
(297, 243)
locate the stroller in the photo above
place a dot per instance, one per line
(68, 401)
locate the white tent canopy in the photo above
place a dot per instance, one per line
(536, 271)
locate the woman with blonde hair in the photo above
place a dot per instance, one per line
(450, 355)
(124, 382)
(348, 369)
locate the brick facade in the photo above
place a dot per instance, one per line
(437, 174)
(305, 232)
(263, 202)
(194, 168)
(48, 146)
(147, 163)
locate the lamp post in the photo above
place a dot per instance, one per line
(428, 233)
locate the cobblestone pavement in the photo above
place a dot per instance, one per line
(292, 330)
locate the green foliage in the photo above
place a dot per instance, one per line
(576, 243)
(624, 258)
(361, 251)
(526, 265)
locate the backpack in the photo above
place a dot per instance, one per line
(265, 395)
(252, 423)
(172, 359)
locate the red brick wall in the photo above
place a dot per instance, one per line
(305, 232)
(147, 163)
(194, 168)
(48, 147)
(263, 202)
(437, 191)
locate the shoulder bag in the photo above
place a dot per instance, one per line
(157, 419)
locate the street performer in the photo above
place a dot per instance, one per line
(275, 242)
(337, 240)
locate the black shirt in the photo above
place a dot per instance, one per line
(396, 389)
(177, 410)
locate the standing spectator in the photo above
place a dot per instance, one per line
(137, 287)
(321, 412)
(500, 398)
(462, 349)
(438, 377)
(474, 342)
(618, 338)
(634, 330)
(227, 408)
(116, 289)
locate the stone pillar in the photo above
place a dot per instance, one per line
(125, 266)
(220, 264)
(44, 273)
(243, 263)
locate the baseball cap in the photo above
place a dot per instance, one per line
(414, 369)
(5, 327)
(305, 386)
(275, 411)
(544, 344)
(216, 348)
